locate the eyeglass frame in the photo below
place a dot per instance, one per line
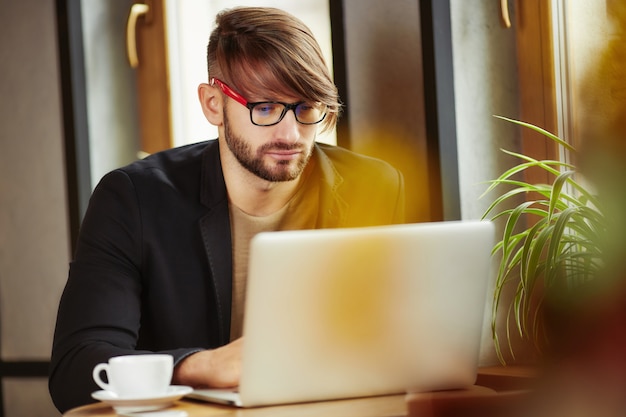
(226, 89)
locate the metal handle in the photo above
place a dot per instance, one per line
(136, 11)
(504, 11)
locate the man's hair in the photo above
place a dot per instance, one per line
(262, 51)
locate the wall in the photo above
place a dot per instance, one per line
(34, 243)
(485, 83)
(385, 99)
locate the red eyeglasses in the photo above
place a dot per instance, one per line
(269, 113)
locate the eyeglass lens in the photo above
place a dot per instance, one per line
(271, 113)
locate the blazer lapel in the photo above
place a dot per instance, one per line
(333, 208)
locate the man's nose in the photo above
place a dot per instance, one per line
(288, 128)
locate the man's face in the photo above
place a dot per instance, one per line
(273, 153)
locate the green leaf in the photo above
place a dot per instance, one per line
(540, 130)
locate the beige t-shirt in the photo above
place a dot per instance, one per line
(299, 213)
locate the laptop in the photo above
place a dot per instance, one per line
(347, 313)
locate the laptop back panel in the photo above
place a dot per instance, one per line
(340, 313)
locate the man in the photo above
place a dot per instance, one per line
(161, 260)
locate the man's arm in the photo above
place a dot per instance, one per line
(100, 311)
(217, 368)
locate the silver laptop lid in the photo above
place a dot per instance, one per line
(342, 313)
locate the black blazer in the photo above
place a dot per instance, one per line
(153, 265)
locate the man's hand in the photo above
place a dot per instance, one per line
(218, 368)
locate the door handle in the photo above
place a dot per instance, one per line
(136, 10)
(504, 12)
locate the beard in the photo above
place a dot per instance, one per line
(274, 171)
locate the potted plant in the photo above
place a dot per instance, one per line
(550, 242)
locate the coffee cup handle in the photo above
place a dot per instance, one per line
(97, 370)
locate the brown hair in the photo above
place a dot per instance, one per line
(257, 50)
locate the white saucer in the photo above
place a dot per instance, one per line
(131, 405)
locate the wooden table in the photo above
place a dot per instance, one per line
(498, 389)
(384, 406)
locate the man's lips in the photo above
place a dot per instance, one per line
(283, 153)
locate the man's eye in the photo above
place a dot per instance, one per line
(306, 107)
(266, 108)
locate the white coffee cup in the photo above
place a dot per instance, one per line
(136, 376)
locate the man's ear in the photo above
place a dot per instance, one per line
(211, 102)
